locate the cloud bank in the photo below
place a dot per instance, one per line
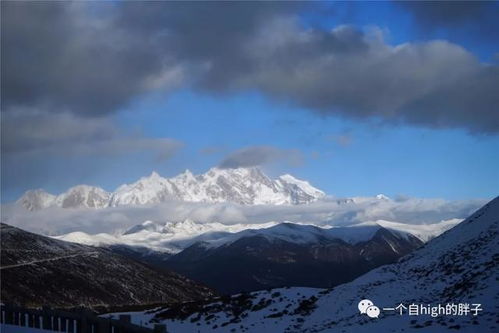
(55, 221)
(94, 58)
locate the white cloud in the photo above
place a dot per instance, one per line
(328, 212)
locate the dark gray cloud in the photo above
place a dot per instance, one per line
(60, 56)
(435, 84)
(94, 58)
(63, 134)
(261, 155)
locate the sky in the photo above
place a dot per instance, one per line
(359, 98)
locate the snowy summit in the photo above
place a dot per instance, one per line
(245, 186)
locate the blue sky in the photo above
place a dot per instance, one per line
(375, 158)
(351, 152)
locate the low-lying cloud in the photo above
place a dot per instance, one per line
(56, 220)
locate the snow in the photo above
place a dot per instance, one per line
(301, 234)
(246, 186)
(242, 185)
(83, 196)
(304, 185)
(87, 239)
(459, 266)
(172, 237)
(382, 197)
(36, 199)
(80, 196)
(258, 322)
(424, 232)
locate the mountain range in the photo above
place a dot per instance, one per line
(242, 257)
(38, 270)
(457, 270)
(245, 186)
(290, 254)
(174, 236)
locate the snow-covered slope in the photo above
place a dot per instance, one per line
(460, 266)
(36, 199)
(246, 186)
(304, 234)
(172, 237)
(81, 196)
(425, 232)
(290, 254)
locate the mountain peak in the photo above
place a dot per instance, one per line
(287, 176)
(83, 196)
(382, 197)
(36, 199)
(246, 186)
(186, 175)
(154, 174)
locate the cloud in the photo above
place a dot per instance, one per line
(41, 149)
(435, 84)
(261, 155)
(94, 58)
(344, 139)
(63, 57)
(327, 212)
(64, 134)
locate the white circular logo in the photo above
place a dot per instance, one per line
(372, 311)
(364, 304)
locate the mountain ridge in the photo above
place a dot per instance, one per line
(245, 186)
(174, 236)
(290, 255)
(38, 270)
(458, 267)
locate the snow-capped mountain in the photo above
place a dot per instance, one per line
(83, 196)
(458, 269)
(231, 258)
(172, 237)
(245, 186)
(290, 254)
(36, 199)
(169, 237)
(80, 196)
